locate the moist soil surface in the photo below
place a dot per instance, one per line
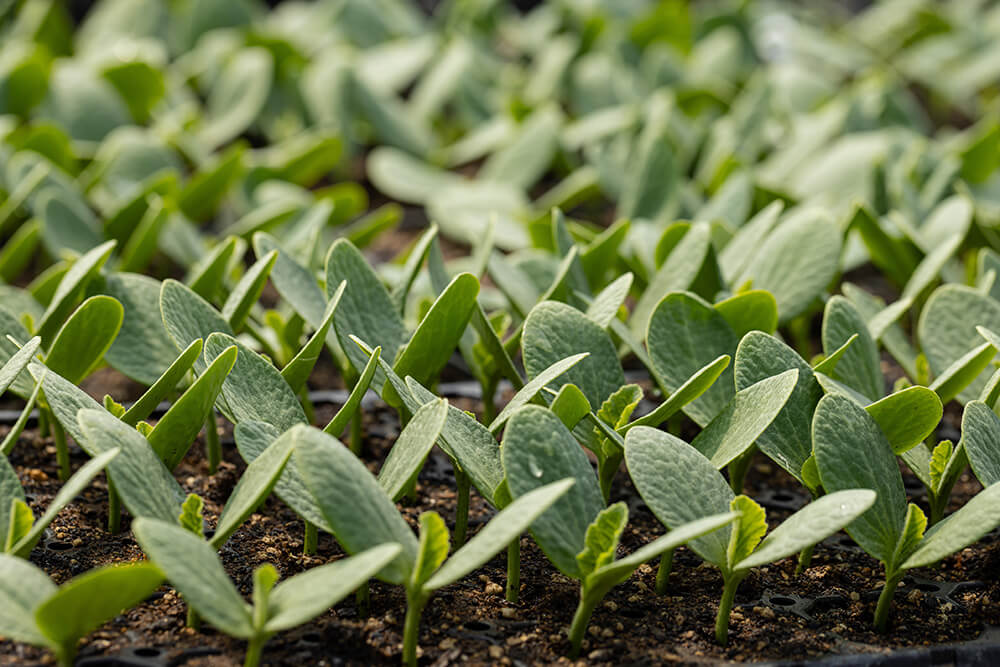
(777, 616)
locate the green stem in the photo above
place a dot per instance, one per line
(489, 404)
(738, 469)
(805, 559)
(725, 606)
(114, 509)
(461, 508)
(66, 655)
(254, 649)
(606, 470)
(885, 602)
(310, 540)
(43, 423)
(213, 448)
(356, 433)
(363, 600)
(513, 569)
(193, 619)
(581, 619)
(411, 629)
(307, 405)
(938, 503)
(663, 572)
(62, 449)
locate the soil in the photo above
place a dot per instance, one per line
(778, 616)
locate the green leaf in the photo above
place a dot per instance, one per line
(303, 597)
(176, 430)
(686, 333)
(65, 399)
(570, 405)
(788, 439)
(201, 195)
(747, 531)
(695, 386)
(965, 372)
(297, 371)
(753, 310)
(83, 339)
(860, 367)
(238, 97)
(247, 291)
(981, 440)
(24, 587)
(828, 364)
(164, 385)
(434, 545)
(252, 489)
(947, 329)
(678, 272)
(620, 405)
(146, 487)
(938, 465)
(367, 310)
(358, 510)
(188, 317)
(350, 407)
(411, 448)
(913, 533)
(254, 389)
(414, 261)
(796, 262)
(69, 491)
(537, 450)
(907, 417)
(438, 334)
(531, 389)
(522, 162)
(20, 521)
(15, 431)
(852, 453)
(207, 276)
(18, 362)
(70, 288)
(191, 517)
(193, 568)
(87, 601)
(601, 541)
(606, 305)
(252, 439)
(554, 331)
(749, 413)
(679, 485)
(505, 527)
(142, 244)
(963, 528)
(143, 350)
(10, 490)
(810, 525)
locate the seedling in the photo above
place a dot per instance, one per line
(580, 534)
(853, 452)
(38, 612)
(194, 568)
(680, 485)
(363, 514)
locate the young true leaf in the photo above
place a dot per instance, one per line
(37, 612)
(362, 515)
(554, 331)
(411, 448)
(851, 451)
(191, 518)
(680, 485)
(578, 533)
(22, 539)
(194, 568)
(684, 334)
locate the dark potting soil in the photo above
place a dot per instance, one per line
(778, 616)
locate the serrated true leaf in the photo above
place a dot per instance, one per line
(435, 542)
(964, 527)
(191, 517)
(914, 527)
(601, 541)
(747, 531)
